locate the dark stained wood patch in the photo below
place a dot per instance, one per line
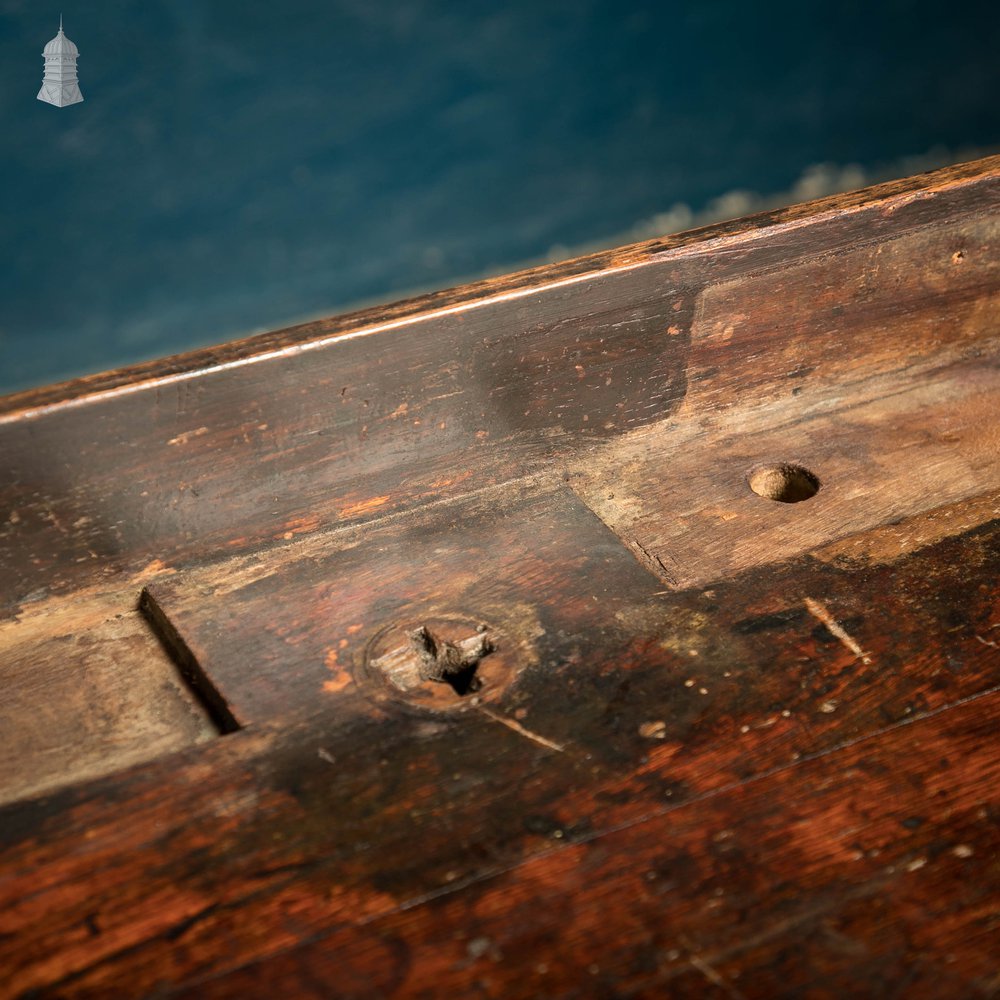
(359, 429)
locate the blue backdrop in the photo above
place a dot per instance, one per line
(238, 166)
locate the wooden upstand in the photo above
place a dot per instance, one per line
(628, 627)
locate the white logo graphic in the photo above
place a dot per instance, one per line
(59, 86)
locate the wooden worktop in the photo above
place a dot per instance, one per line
(628, 627)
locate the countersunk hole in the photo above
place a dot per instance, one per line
(784, 483)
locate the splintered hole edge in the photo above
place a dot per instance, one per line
(785, 483)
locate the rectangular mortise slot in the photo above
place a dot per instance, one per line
(187, 664)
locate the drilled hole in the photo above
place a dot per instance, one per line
(784, 483)
(464, 681)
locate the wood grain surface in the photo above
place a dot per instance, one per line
(448, 650)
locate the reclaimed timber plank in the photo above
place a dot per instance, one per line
(350, 808)
(344, 420)
(676, 660)
(870, 871)
(880, 206)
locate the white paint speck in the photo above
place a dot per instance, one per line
(478, 947)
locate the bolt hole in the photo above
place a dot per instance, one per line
(464, 681)
(453, 663)
(784, 483)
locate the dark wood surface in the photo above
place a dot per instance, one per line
(446, 650)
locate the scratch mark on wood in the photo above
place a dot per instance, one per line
(818, 610)
(362, 507)
(655, 563)
(712, 976)
(518, 728)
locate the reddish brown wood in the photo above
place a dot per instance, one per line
(868, 872)
(303, 818)
(723, 745)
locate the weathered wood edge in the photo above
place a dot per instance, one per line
(316, 333)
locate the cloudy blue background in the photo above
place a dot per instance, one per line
(238, 166)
